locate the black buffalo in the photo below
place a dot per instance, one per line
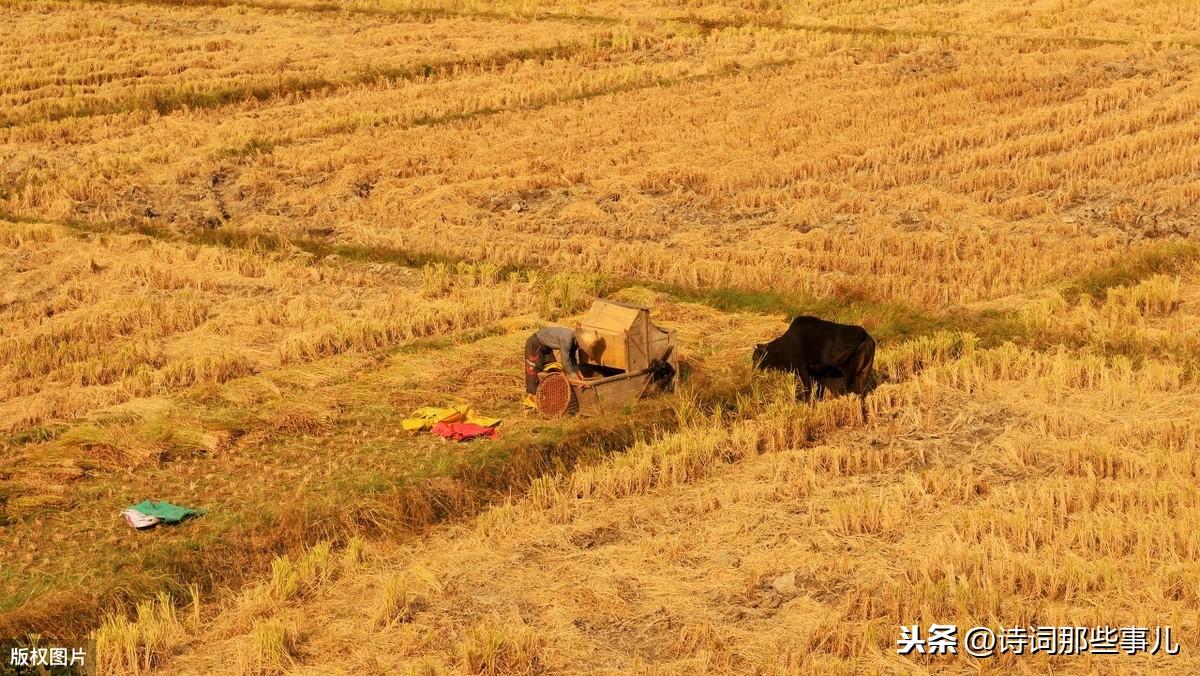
(818, 351)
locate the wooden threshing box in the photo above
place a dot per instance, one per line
(635, 356)
(631, 340)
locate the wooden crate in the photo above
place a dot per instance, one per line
(609, 395)
(630, 362)
(631, 341)
(557, 395)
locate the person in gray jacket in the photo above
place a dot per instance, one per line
(540, 347)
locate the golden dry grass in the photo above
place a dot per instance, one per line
(996, 485)
(240, 239)
(124, 324)
(861, 157)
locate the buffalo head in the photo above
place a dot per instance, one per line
(766, 358)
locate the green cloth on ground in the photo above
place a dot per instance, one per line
(166, 511)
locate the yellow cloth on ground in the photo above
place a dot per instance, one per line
(482, 421)
(427, 416)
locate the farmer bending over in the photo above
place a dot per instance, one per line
(539, 351)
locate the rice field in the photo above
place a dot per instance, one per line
(240, 240)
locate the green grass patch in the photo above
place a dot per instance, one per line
(1160, 258)
(888, 321)
(359, 477)
(885, 321)
(33, 435)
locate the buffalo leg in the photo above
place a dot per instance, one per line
(806, 383)
(859, 367)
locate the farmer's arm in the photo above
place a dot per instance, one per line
(567, 360)
(562, 339)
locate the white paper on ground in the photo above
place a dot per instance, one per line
(139, 520)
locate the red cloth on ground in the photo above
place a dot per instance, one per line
(464, 431)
